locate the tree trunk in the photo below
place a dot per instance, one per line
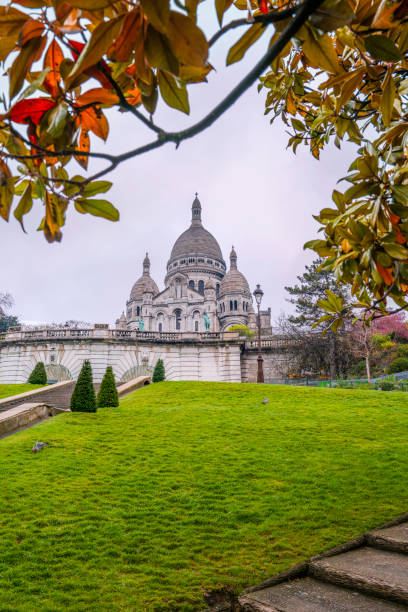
(332, 355)
(367, 354)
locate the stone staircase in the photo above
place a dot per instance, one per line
(58, 395)
(368, 574)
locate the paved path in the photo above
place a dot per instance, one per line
(369, 574)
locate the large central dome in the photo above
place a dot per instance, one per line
(196, 240)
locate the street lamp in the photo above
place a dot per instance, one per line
(258, 293)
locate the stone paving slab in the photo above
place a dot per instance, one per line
(309, 595)
(379, 572)
(393, 538)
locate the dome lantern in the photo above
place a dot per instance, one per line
(196, 212)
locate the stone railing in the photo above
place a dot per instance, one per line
(271, 343)
(99, 332)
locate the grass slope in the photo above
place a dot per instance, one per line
(9, 390)
(191, 486)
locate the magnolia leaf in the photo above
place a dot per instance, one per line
(400, 194)
(187, 41)
(319, 50)
(57, 119)
(53, 60)
(131, 31)
(238, 50)
(159, 52)
(98, 95)
(98, 208)
(91, 5)
(387, 98)
(11, 22)
(396, 250)
(31, 29)
(158, 13)
(332, 15)
(101, 39)
(34, 85)
(84, 144)
(22, 64)
(382, 48)
(6, 190)
(221, 6)
(173, 92)
(24, 206)
(96, 187)
(94, 121)
(30, 111)
(54, 218)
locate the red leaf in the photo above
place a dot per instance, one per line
(31, 111)
(95, 70)
(263, 5)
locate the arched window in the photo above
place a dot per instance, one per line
(217, 289)
(160, 327)
(129, 313)
(178, 288)
(191, 284)
(196, 326)
(201, 286)
(235, 305)
(223, 306)
(230, 304)
(160, 318)
(178, 318)
(138, 311)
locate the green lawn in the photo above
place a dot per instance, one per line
(8, 390)
(192, 486)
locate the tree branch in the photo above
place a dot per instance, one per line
(272, 17)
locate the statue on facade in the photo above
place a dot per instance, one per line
(206, 321)
(141, 324)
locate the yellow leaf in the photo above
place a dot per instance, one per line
(238, 50)
(387, 98)
(101, 39)
(159, 53)
(158, 13)
(174, 94)
(11, 21)
(290, 103)
(345, 245)
(352, 83)
(221, 6)
(187, 41)
(22, 64)
(319, 50)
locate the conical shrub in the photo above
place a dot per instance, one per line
(38, 376)
(83, 398)
(108, 394)
(159, 374)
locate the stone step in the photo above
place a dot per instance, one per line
(310, 595)
(392, 538)
(377, 572)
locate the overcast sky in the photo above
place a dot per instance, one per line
(255, 194)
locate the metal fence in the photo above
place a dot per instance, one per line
(399, 380)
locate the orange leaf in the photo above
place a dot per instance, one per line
(394, 218)
(53, 59)
(69, 19)
(345, 245)
(385, 273)
(84, 145)
(94, 121)
(98, 95)
(131, 29)
(400, 237)
(31, 29)
(134, 96)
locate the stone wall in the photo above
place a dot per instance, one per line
(217, 361)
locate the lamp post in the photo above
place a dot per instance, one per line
(258, 293)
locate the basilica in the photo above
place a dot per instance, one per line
(200, 295)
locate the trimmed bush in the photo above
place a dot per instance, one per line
(38, 376)
(400, 364)
(83, 398)
(402, 350)
(108, 394)
(159, 374)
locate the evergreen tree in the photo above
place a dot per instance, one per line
(315, 354)
(159, 373)
(108, 394)
(83, 398)
(7, 321)
(38, 376)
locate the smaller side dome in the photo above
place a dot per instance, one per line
(145, 284)
(234, 281)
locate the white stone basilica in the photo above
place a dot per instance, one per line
(199, 295)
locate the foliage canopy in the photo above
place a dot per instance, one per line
(335, 70)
